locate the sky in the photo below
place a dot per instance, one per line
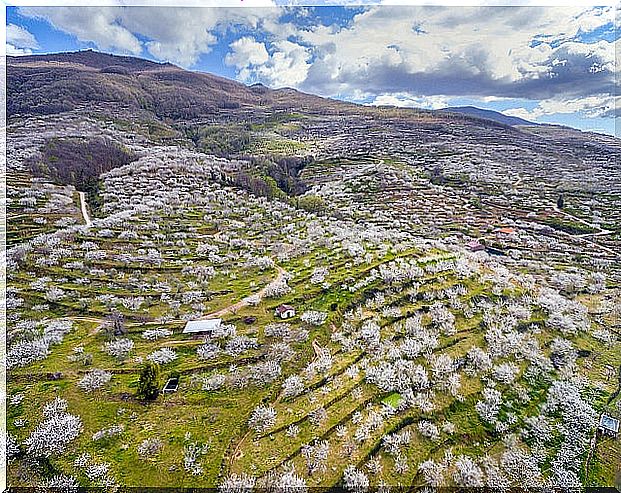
(545, 64)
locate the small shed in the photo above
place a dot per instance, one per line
(608, 425)
(285, 311)
(475, 246)
(207, 326)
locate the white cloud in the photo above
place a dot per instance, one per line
(596, 106)
(286, 66)
(20, 37)
(485, 51)
(19, 41)
(90, 24)
(404, 100)
(15, 51)
(522, 113)
(176, 34)
(246, 51)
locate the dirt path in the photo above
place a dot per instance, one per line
(601, 232)
(217, 314)
(317, 348)
(583, 221)
(245, 301)
(237, 453)
(87, 218)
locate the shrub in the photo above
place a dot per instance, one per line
(149, 383)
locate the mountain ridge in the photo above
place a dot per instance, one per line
(57, 82)
(487, 114)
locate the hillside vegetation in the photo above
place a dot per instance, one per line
(452, 326)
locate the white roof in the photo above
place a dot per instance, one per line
(207, 325)
(609, 423)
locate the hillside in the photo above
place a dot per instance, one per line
(44, 84)
(488, 115)
(396, 297)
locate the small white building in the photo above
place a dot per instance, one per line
(206, 326)
(608, 425)
(285, 311)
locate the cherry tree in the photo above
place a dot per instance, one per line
(94, 380)
(208, 351)
(314, 317)
(317, 416)
(522, 468)
(214, 382)
(292, 386)
(162, 356)
(150, 447)
(374, 466)
(192, 453)
(237, 483)
(262, 418)
(52, 436)
(477, 361)
(290, 482)
(316, 456)
(119, 348)
(355, 480)
(489, 407)
(240, 344)
(12, 448)
(433, 472)
(109, 432)
(429, 430)
(276, 289)
(505, 372)
(61, 483)
(467, 474)
(154, 334)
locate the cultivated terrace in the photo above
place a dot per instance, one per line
(454, 286)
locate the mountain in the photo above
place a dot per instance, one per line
(55, 83)
(47, 84)
(488, 115)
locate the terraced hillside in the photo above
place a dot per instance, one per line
(414, 357)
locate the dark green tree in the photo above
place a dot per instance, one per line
(149, 383)
(560, 202)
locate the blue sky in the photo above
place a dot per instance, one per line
(546, 64)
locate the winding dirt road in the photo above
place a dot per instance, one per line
(245, 301)
(584, 237)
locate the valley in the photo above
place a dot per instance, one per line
(454, 284)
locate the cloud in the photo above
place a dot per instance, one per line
(596, 106)
(475, 52)
(404, 100)
(20, 37)
(178, 35)
(286, 66)
(98, 25)
(19, 41)
(245, 52)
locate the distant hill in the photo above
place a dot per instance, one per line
(488, 115)
(59, 82)
(45, 84)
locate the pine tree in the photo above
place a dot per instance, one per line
(560, 202)
(149, 383)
